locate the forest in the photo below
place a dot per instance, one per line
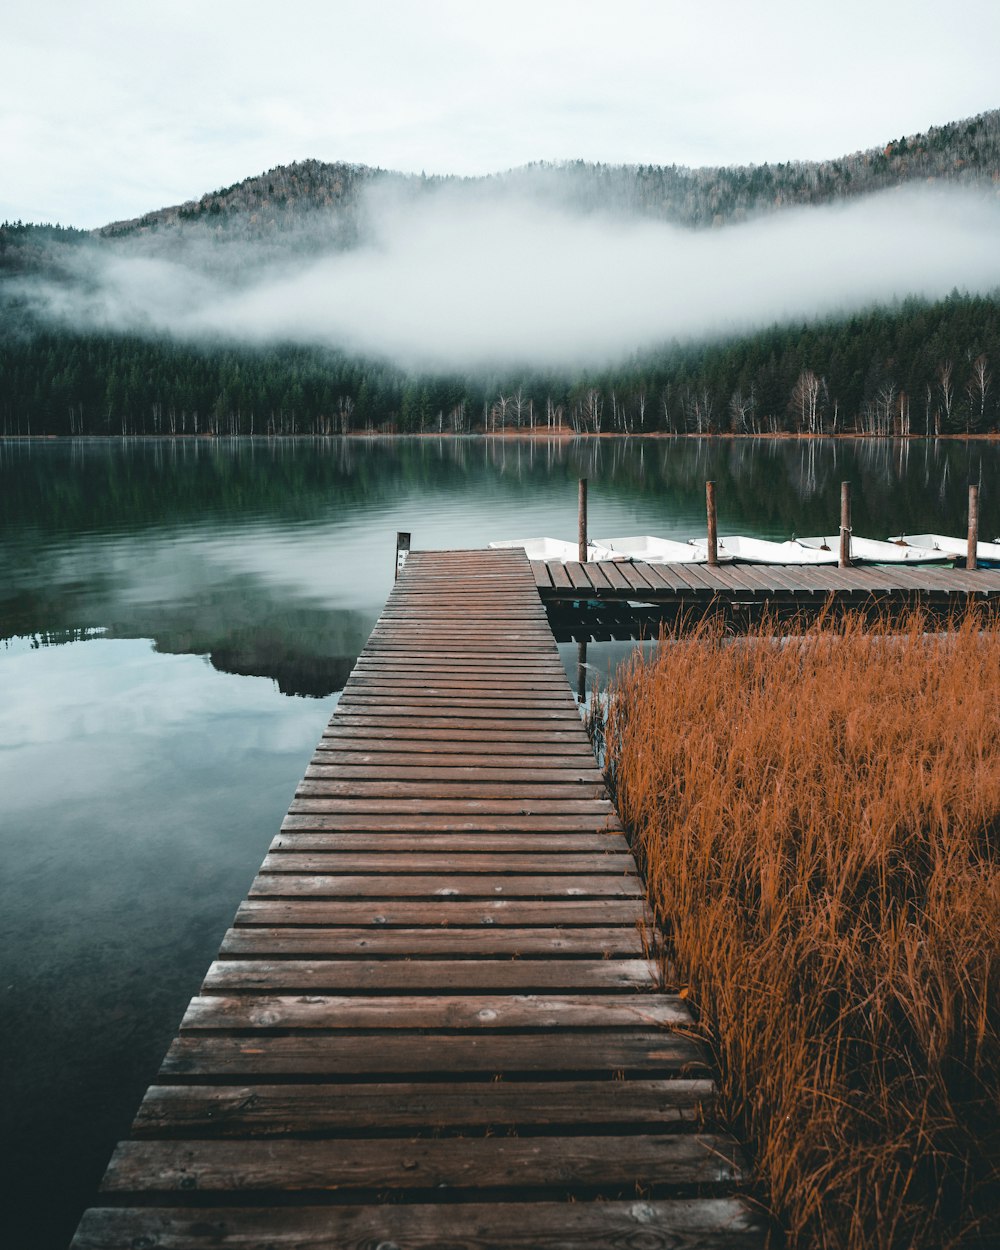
(911, 368)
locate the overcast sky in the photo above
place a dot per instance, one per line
(110, 108)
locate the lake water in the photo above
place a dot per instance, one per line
(176, 620)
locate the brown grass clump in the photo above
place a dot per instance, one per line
(818, 814)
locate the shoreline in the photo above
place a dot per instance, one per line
(510, 436)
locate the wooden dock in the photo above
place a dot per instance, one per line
(438, 1017)
(622, 599)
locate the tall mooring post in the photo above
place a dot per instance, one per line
(972, 554)
(582, 520)
(713, 528)
(845, 526)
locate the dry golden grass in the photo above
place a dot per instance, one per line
(818, 815)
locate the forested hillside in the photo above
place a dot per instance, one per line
(917, 367)
(913, 369)
(966, 151)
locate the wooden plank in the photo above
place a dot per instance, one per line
(522, 976)
(598, 578)
(482, 822)
(482, 1013)
(555, 748)
(633, 573)
(213, 1111)
(489, 705)
(445, 681)
(498, 844)
(441, 886)
(615, 578)
(705, 1223)
(438, 773)
(443, 913)
(605, 1164)
(663, 580)
(453, 863)
(360, 716)
(697, 586)
(483, 941)
(540, 572)
(577, 574)
(439, 791)
(545, 734)
(332, 1055)
(431, 807)
(750, 581)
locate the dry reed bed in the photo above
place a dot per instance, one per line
(818, 815)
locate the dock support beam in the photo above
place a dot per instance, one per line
(972, 554)
(582, 520)
(713, 529)
(402, 550)
(845, 526)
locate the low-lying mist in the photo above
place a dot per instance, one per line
(454, 280)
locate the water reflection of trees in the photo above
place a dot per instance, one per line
(771, 486)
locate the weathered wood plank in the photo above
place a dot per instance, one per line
(442, 913)
(482, 1013)
(607, 1164)
(528, 976)
(501, 844)
(333, 861)
(432, 790)
(502, 739)
(486, 822)
(621, 941)
(283, 1110)
(439, 886)
(520, 768)
(525, 806)
(664, 1224)
(331, 1055)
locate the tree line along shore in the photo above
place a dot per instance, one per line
(918, 368)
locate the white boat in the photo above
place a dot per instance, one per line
(873, 551)
(763, 551)
(651, 550)
(555, 549)
(955, 548)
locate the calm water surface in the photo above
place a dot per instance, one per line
(176, 621)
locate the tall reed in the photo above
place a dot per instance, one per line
(818, 812)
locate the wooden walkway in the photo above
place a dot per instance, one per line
(436, 1019)
(689, 584)
(629, 599)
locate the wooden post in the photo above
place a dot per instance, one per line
(581, 671)
(972, 556)
(582, 520)
(713, 529)
(845, 526)
(402, 550)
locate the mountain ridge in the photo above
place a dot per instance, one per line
(964, 151)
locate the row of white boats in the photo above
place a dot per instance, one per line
(903, 549)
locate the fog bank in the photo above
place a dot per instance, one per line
(454, 280)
